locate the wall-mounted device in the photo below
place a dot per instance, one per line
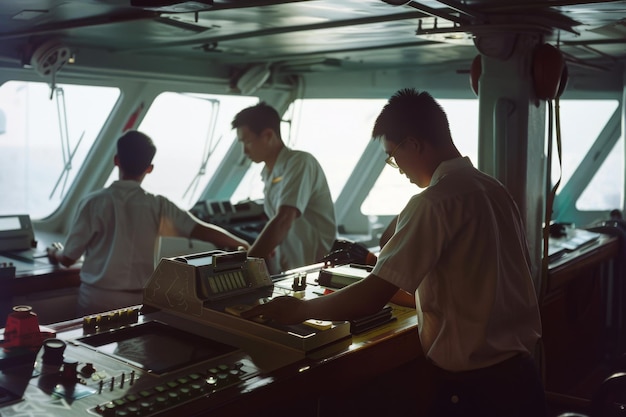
(16, 232)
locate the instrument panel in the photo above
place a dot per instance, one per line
(147, 369)
(186, 351)
(210, 288)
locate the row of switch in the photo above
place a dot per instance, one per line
(115, 318)
(174, 392)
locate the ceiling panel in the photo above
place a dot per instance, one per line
(358, 34)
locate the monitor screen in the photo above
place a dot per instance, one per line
(156, 347)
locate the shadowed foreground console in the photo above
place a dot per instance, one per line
(187, 352)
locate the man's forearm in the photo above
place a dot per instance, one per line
(270, 237)
(217, 235)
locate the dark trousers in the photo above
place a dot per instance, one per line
(511, 388)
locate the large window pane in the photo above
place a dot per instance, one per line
(605, 191)
(581, 123)
(192, 133)
(46, 141)
(336, 132)
(251, 185)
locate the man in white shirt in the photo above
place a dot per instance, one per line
(301, 227)
(117, 228)
(460, 247)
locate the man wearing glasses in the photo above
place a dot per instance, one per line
(460, 247)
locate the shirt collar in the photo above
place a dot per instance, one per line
(125, 184)
(449, 166)
(281, 159)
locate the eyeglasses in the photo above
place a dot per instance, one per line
(391, 160)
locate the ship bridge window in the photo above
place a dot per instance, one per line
(192, 133)
(605, 190)
(335, 131)
(593, 160)
(46, 141)
(392, 191)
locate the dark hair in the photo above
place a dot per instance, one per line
(257, 118)
(135, 151)
(412, 113)
(616, 214)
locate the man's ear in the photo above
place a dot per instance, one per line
(415, 143)
(116, 160)
(150, 168)
(268, 133)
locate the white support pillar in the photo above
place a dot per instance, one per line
(512, 128)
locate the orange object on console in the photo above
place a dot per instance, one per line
(22, 328)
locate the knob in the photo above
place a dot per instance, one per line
(88, 370)
(53, 351)
(68, 373)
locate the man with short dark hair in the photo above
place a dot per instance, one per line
(117, 228)
(301, 227)
(460, 247)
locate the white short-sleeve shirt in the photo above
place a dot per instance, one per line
(297, 180)
(460, 246)
(117, 228)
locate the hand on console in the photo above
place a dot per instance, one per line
(52, 250)
(284, 309)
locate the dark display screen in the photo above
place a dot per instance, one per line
(156, 347)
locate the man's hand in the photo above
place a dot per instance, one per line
(52, 250)
(285, 310)
(360, 299)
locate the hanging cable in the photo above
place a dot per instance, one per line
(209, 147)
(550, 189)
(67, 152)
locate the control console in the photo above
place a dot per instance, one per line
(245, 219)
(145, 369)
(212, 289)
